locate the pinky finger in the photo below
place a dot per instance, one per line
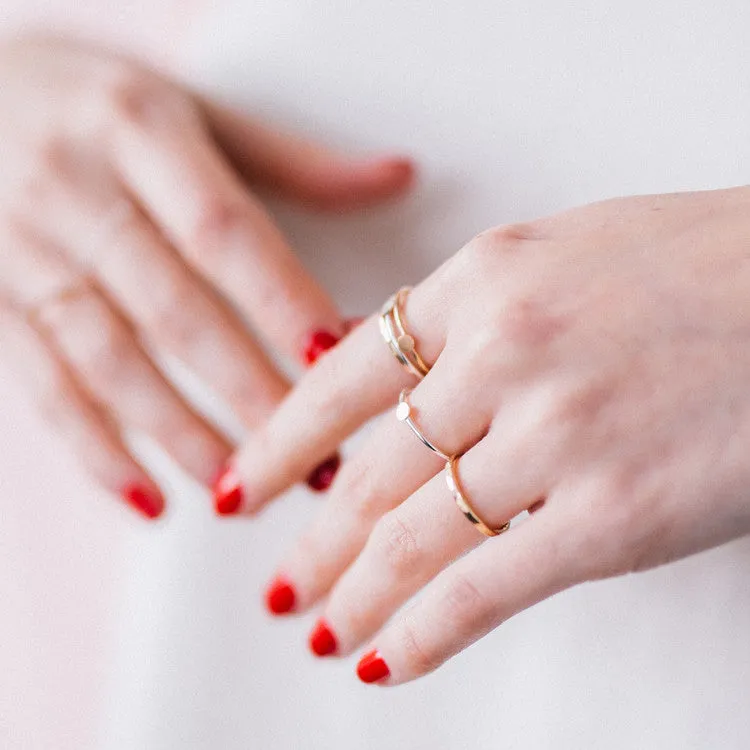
(86, 427)
(475, 595)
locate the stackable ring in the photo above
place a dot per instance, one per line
(404, 414)
(394, 333)
(451, 479)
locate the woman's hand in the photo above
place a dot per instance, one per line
(127, 230)
(592, 367)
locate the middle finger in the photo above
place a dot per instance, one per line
(391, 466)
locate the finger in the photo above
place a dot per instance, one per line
(303, 171)
(412, 543)
(473, 596)
(85, 210)
(354, 382)
(391, 465)
(87, 429)
(98, 343)
(222, 231)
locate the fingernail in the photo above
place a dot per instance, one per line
(144, 500)
(322, 640)
(228, 492)
(403, 170)
(317, 343)
(322, 477)
(280, 597)
(372, 668)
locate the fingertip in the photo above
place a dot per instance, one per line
(372, 668)
(362, 183)
(389, 175)
(281, 598)
(228, 492)
(144, 498)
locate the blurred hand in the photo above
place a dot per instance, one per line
(592, 367)
(126, 228)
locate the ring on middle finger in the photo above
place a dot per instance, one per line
(404, 413)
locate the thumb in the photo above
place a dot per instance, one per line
(304, 172)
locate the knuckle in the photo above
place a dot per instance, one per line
(419, 657)
(528, 323)
(107, 353)
(613, 539)
(582, 403)
(397, 544)
(131, 95)
(465, 604)
(497, 243)
(172, 314)
(507, 236)
(141, 100)
(52, 154)
(218, 220)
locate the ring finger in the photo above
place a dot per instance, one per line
(99, 344)
(412, 543)
(391, 466)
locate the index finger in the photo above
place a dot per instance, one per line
(221, 230)
(349, 385)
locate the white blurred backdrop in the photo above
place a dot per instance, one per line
(116, 635)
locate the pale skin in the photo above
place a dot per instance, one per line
(592, 366)
(130, 228)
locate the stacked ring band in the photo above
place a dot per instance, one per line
(403, 347)
(451, 479)
(400, 342)
(404, 414)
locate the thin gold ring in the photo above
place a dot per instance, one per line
(404, 414)
(451, 479)
(394, 333)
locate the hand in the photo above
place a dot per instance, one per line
(592, 367)
(127, 230)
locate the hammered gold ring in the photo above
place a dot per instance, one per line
(394, 333)
(405, 413)
(454, 485)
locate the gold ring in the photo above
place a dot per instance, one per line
(394, 333)
(404, 414)
(451, 479)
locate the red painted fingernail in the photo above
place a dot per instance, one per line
(228, 492)
(403, 170)
(322, 640)
(372, 668)
(144, 500)
(280, 597)
(322, 477)
(317, 343)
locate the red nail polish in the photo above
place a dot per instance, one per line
(372, 668)
(322, 477)
(227, 492)
(280, 597)
(317, 343)
(147, 501)
(322, 640)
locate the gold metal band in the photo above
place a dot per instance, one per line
(404, 414)
(400, 342)
(451, 479)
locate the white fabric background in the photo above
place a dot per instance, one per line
(123, 637)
